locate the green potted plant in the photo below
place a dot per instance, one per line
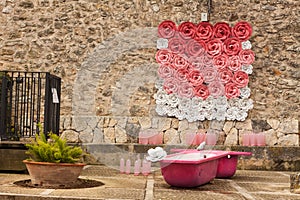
(52, 162)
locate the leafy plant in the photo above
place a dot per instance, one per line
(55, 150)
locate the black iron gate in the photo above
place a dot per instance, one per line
(28, 98)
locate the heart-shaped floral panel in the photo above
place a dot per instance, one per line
(204, 71)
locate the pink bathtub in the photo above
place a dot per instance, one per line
(227, 165)
(192, 168)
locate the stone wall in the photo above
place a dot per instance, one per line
(104, 51)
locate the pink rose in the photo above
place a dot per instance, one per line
(232, 46)
(195, 77)
(182, 75)
(204, 31)
(214, 47)
(216, 89)
(225, 76)
(242, 30)
(196, 62)
(241, 79)
(167, 29)
(234, 63)
(180, 62)
(207, 60)
(165, 71)
(231, 91)
(209, 74)
(202, 91)
(187, 30)
(163, 56)
(186, 90)
(222, 30)
(220, 61)
(177, 45)
(170, 85)
(194, 48)
(246, 56)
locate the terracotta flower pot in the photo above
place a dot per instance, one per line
(51, 174)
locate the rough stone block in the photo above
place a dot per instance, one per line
(245, 125)
(289, 140)
(232, 137)
(289, 126)
(70, 136)
(171, 136)
(274, 123)
(120, 134)
(295, 183)
(109, 135)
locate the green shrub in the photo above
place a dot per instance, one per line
(55, 150)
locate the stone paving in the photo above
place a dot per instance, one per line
(244, 185)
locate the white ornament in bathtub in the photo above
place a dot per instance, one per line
(157, 154)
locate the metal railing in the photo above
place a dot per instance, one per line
(28, 98)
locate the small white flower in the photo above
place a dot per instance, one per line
(245, 92)
(172, 100)
(162, 43)
(231, 113)
(220, 102)
(208, 103)
(160, 110)
(184, 103)
(241, 115)
(246, 45)
(247, 69)
(160, 97)
(197, 102)
(172, 111)
(234, 102)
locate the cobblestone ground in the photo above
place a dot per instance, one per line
(244, 185)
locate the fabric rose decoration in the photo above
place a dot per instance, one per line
(163, 56)
(222, 30)
(216, 89)
(207, 60)
(234, 63)
(182, 75)
(231, 90)
(209, 74)
(194, 48)
(214, 47)
(225, 76)
(187, 30)
(170, 85)
(241, 79)
(186, 90)
(196, 63)
(204, 70)
(232, 46)
(177, 45)
(220, 61)
(246, 56)
(167, 29)
(202, 91)
(165, 71)
(242, 30)
(204, 31)
(196, 78)
(179, 62)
